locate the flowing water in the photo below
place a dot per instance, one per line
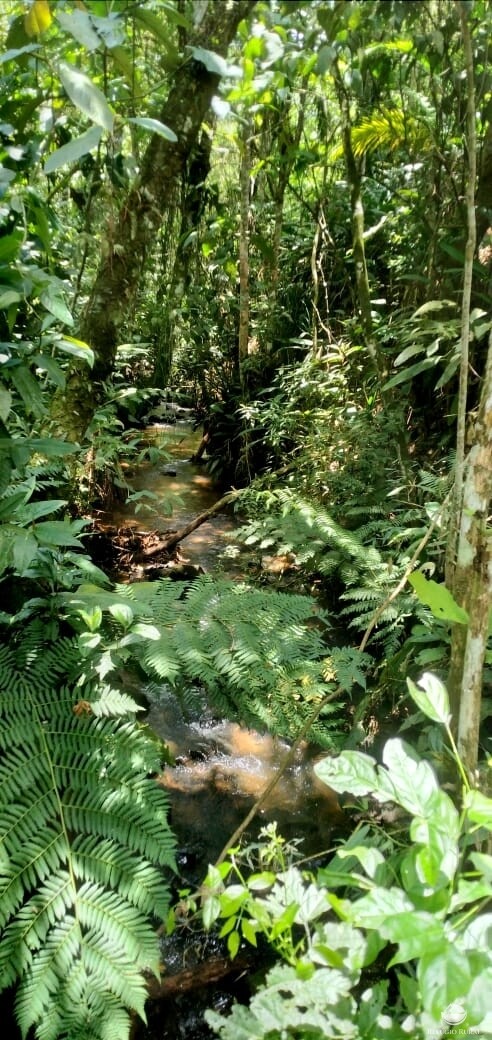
(221, 768)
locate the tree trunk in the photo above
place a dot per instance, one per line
(354, 177)
(473, 580)
(244, 247)
(459, 469)
(129, 242)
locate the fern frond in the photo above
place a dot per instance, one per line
(83, 839)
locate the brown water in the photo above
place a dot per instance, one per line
(221, 768)
(184, 490)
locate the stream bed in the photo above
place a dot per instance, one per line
(220, 768)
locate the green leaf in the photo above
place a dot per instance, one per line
(410, 373)
(74, 150)
(16, 52)
(24, 550)
(211, 911)
(86, 96)
(410, 779)
(215, 63)
(233, 942)
(34, 510)
(479, 808)
(5, 403)
(9, 246)
(56, 305)
(79, 25)
(369, 858)
(57, 532)
(122, 613)
(48, 364)
(352, 771)
(444, 978)
(431, 697)
(77, 348)
(155, 126)
(8, 297)
(249, 931)
(438, 598)
(28, 388)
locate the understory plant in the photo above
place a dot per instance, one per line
(391, 939)
(86, 849)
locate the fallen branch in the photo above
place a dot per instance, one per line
(199, 975)
(167, 543)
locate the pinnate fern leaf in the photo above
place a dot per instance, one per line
(84, 840)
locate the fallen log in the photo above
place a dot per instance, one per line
(169, 542)
(204, 974)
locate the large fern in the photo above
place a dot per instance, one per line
(259, 653)
(84, 839)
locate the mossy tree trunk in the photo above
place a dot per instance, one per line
(354, 169)
(129, 241)
(469, 557)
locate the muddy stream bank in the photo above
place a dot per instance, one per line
(220, 768)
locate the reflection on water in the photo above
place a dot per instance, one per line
(222, 769)
(184, 490)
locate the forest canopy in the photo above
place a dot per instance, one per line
(276, 216)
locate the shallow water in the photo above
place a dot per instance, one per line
(221, 768)
(184, 490)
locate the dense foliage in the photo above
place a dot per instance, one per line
(282, 211)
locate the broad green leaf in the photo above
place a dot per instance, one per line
(416, 932)
(74, 150)
(369, 858)
(146, 631)
(438, 598)
(16, 52)
(410, 373)
(444, 978)
(159, 28)
(28, 388)
(122, 613)
(431, 697)
(470, 892)
(479, 808)
(89, 640)
(434, 305)
(211, 911)
(410, 779)
(408, 353)
(86, 96)
(92, 618)
(5, 403)
(57, 533)
(47, 364)
(9, 246)
(51, 447)
(78, 23)
(216, 63)
(8, 297)
(249, 931)
(24, 550)
(378, 906)
(56, 305)
(35, 510)
(233, 942)
(155, 126)
(77, 348)
(352, 771)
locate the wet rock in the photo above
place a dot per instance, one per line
(183, 572)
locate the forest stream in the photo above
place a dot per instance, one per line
(220, 768)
